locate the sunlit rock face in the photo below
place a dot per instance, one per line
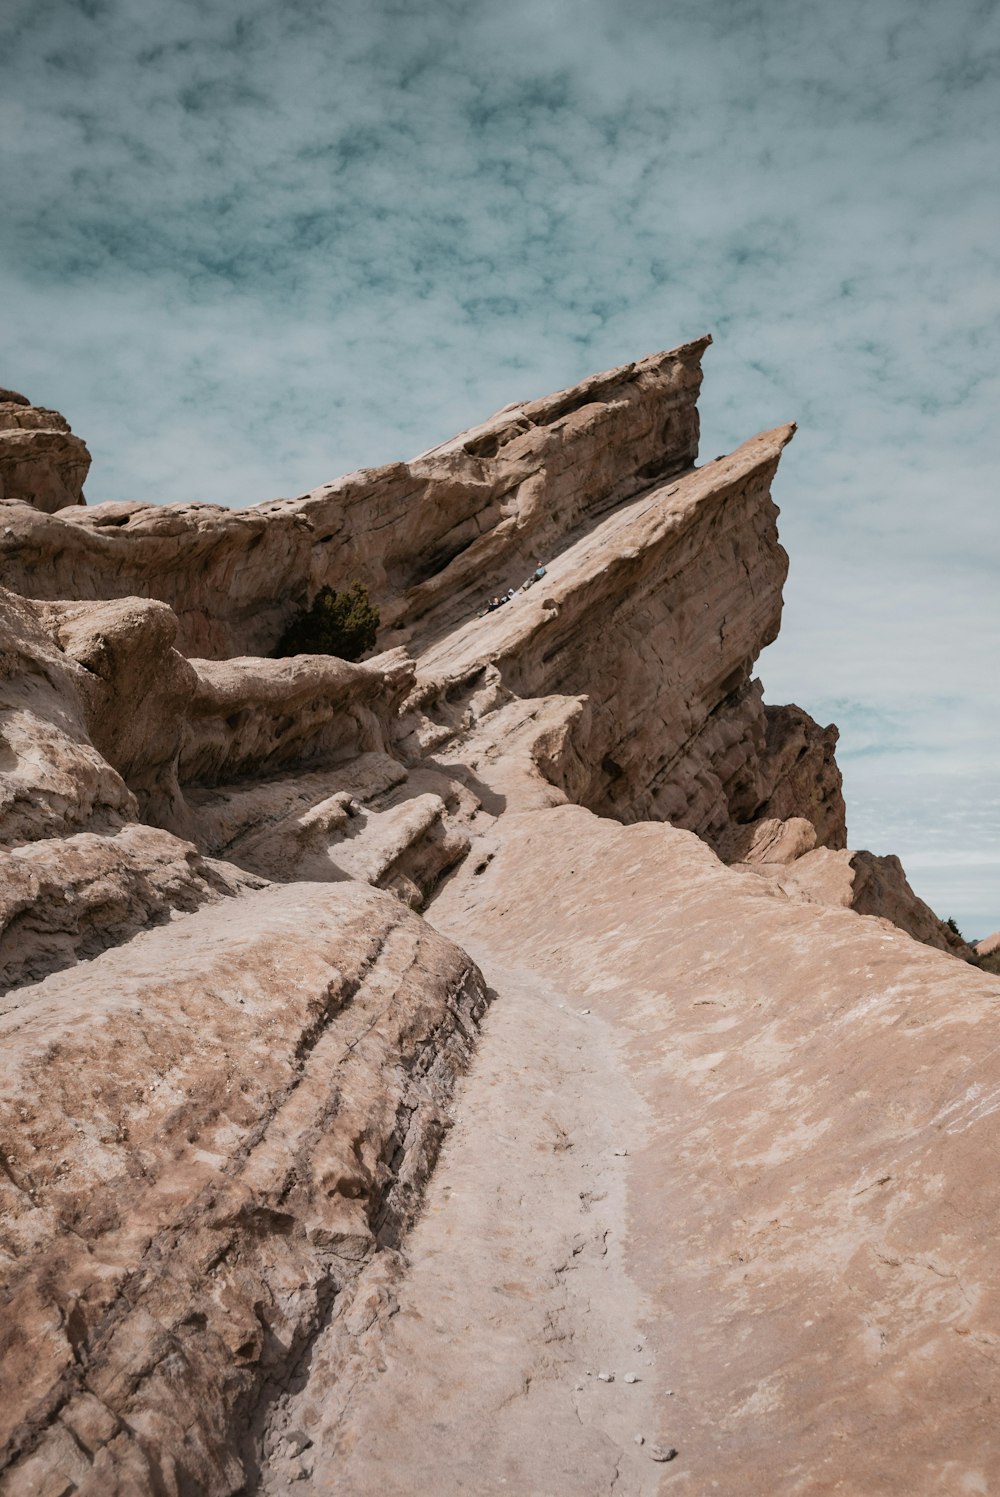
(253, 912)
(41, 462)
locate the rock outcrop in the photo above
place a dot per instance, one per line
(864, 882)
(242, 902)
(41, 462)
(193, 1173)
(429, 538)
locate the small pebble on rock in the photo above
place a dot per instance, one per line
(620, 1153)
(296, 1441)
(585, 1010)
(662, 1452)
(630, 1377)
(605, 1377)
(638, 1439)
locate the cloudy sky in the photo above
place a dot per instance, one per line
(246, 247)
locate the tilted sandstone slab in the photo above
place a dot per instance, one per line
(218, 1129)
(64, 899)
(206, 1134)
(428, 537)
(656, 616)
(867, 883)
(41, 462)
(811, 1201)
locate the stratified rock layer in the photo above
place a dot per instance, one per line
(811, 1195)
(41, 462)
(207, 1133)
(429, 537)
(230, 1039)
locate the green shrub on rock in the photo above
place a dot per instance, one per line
(342, 624)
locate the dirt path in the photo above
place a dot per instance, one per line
(516, 1298)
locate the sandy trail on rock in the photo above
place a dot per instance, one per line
(517, 1295)
(792, 1085)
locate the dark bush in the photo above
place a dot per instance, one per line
(342, 624)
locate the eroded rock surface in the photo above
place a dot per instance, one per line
(41, 462)
(429, 538)
(242, 903)
(207, 1132)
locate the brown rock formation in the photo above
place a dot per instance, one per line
(429, 537)
(859, 881)
(192, 1175)
(230, 1042)
(41, 462)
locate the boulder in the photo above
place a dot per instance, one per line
(41, 462)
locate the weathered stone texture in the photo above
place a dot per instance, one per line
(41, 462)
(229, 1043)
(192, 1174)
(428, 537)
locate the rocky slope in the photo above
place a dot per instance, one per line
(242, 900)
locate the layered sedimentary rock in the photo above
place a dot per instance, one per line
(864, 882)
(194, 1172)
(41, 462)
(429, 538)
(811, 1203)
(240, 986)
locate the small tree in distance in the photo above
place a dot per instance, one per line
(342, 624)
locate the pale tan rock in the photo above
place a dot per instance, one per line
(216, 1132)
(988, 944)
(864, 882)
(430, 538)
(207, 1133)
(136, 689)
(258, 716)
(810, 1192)
(41, 462)
(52, 779)
(767, 841)
(64, 899)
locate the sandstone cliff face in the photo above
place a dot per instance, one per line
(239, 993)
(41, 462)
(429, 537)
